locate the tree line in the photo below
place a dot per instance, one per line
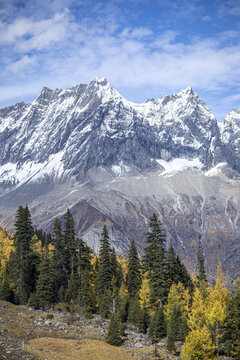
(155, 293)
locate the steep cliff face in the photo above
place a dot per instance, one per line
(115, 162)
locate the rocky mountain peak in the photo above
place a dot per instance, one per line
(117, 162)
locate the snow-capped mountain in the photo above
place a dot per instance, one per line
(67, 132)
(115, 162)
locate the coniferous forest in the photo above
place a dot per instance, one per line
(154, 293)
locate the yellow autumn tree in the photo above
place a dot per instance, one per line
(178, 296)
(144, 293)
(198, 345)
(217, 300)
(197, 318)
(6, 248)
(216, 305)
(123, 263)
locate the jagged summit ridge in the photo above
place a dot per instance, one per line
(66, 133)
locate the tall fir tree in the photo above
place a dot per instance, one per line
(173, 266)
(85, 291)
(173, 328)
(113, 334)
(177, 271)
(143, 319)
(230, 330)
(6, 292)
(60, 261)
(134, 310)
(44, 288)
(134, 278)
(158, 327)
(22, 264)
(70, 243)
(116, 269)
(103, 283)
(154, 262)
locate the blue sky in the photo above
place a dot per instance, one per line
(145, 48)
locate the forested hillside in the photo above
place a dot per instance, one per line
(155, 293)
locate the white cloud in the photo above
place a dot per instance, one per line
(26, 34)
(60, 51)
(21, 64)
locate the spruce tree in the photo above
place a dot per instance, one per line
(6, 292)
(177, 328)
(70, 244)
(105, 304)
(123, 302)
(172, 329)
(86, 300)
(113, 334)
(184, 276)
(231, 328)
(134, 278)
(103, 282)
(173, 266)
(158, 327)
(116, 268)
(22, 270)
(154, 262)
(60, 261)
(143, 319)
(85, 269)
(177, 270)
(44, 288)
(134, 311)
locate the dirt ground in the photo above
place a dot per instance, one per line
(26, 334)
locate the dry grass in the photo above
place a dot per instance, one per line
(63, 349)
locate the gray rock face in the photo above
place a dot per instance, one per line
(114, 162)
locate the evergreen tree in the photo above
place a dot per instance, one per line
(85, 294)
(154, 262)
(105, 305)
(117, 271)
(71, 293)
(134, 311)
(32, 301)
(70, 244)
(103, 282)
(60, 261)
(123, 302)
(202, 277)
(21, 260)
(183, 276)
(177, 328)
(44, 288)
(156, 239)
(6, 292)
(177, 271)
(113, 334)
(172, 328)
(173, 269)
(143, 319)
(157, 327)
(85, 269)
(134, 278)
(231, 328)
